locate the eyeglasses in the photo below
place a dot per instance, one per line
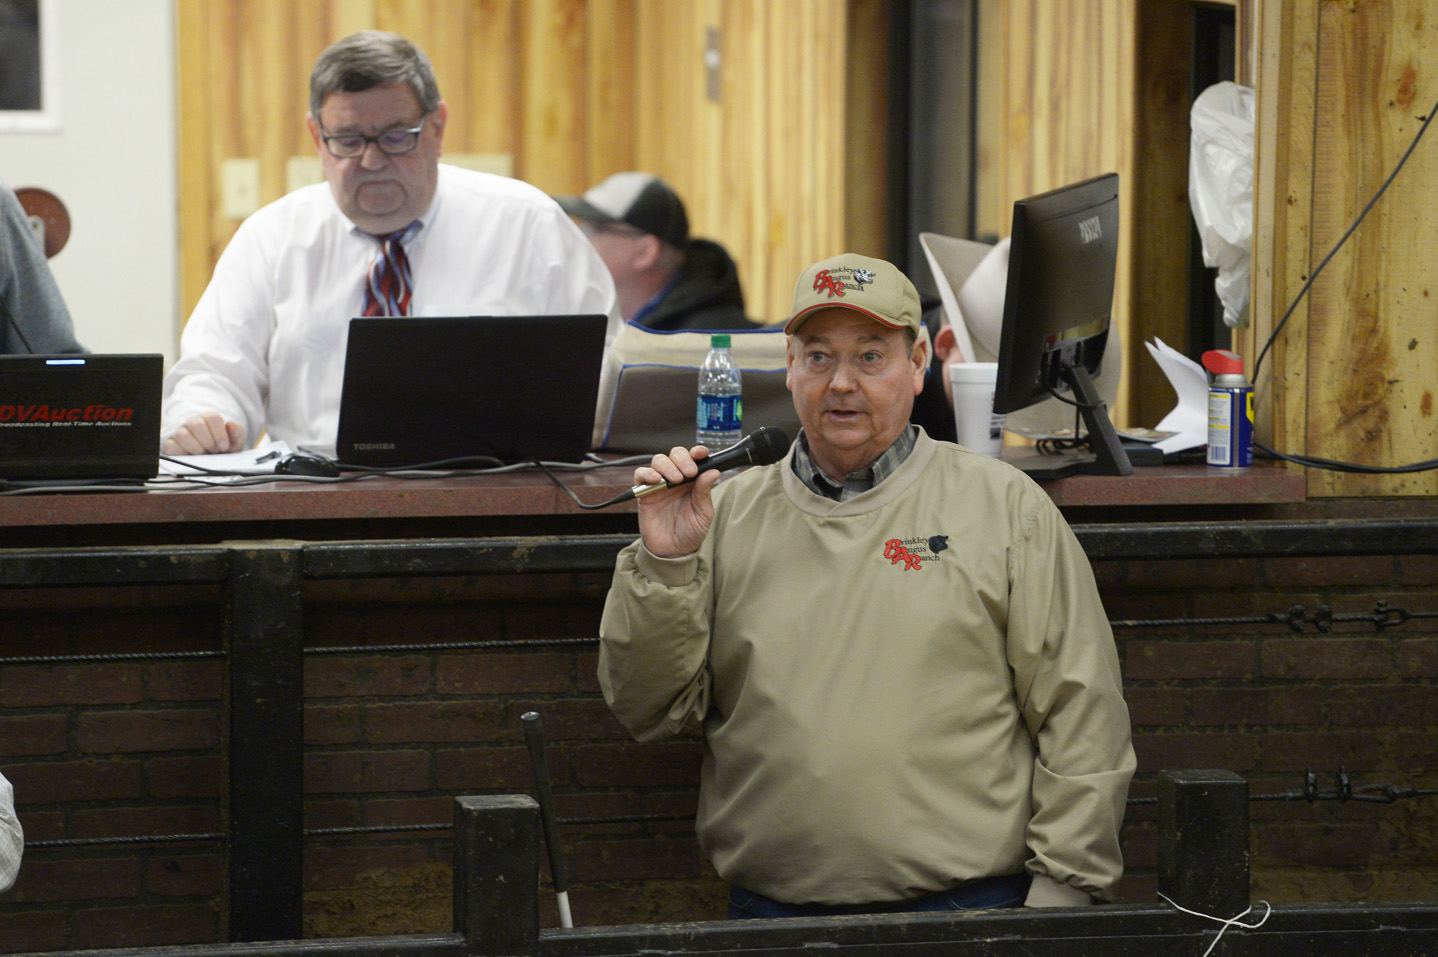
(390, 142)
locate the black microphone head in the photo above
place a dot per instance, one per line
(770, 444)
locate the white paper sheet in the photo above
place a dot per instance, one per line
(260, 460)
(1189, 418)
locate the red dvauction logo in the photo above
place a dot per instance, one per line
(54, 413)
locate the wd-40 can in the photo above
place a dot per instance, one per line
(1230, 411)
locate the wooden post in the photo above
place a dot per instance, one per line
(496, 874)
(1203, 841)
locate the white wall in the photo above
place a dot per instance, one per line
(112, 163)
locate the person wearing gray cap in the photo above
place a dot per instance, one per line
(894, 647)
(665, 278)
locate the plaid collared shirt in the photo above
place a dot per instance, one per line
(856, 482)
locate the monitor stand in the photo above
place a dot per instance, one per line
(1108, 456)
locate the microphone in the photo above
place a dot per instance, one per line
(763, 446)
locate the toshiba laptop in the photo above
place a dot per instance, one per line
(510, 388)
(79, 417)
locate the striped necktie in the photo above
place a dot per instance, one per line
(388, 285)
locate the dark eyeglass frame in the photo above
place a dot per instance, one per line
(378, 140)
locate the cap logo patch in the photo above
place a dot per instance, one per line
(825, 282)
(836, 281)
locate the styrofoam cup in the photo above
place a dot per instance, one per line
(977, 425)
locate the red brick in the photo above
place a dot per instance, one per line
(1189, 659)
(184, 681)
(1324, 845)
(1417, 658)
(476, 770)
(193, 875)
(434, 721)
(1329, 571)
(586, 666)
(35, 686)
(188, 777)
(330, 867)
(43, 825)
(1146, 614)
(332, 725)
(1154, 706)
(147, 821)
(1379, 705)
(1193, 574)
(61, 782)
(32, 734)
(117, 732)
(1256, 707)
(663, 764)
(553, 620)
(47, 880)
(148, 925)
(32, 931)
(504, 673)
(1297, 751)
(406, 811)
(356, 771)
(570, 719)
(1187, 751)
(333, 813)
(1417, 570)
(1140, 846)
(369, 676)
(666, 858)
(1315, 657)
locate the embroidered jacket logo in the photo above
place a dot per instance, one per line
(912, 553)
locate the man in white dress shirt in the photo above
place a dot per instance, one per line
(264, 349)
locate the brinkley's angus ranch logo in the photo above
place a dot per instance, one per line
(912, 554)
(835, 281)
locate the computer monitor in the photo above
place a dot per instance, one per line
(1062, 255)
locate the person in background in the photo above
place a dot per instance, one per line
(33, 317)
(12, 837)
(665, 278)
(908, 689)
(392, 231)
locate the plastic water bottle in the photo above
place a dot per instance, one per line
(719, 417)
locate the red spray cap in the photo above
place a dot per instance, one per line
(1222, 362)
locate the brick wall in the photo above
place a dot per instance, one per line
(132, 748)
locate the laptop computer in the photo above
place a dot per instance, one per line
(71, 417)
(429, 389)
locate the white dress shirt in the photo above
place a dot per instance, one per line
(12, 838)
(265, 346)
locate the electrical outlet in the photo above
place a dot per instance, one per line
(239, 187)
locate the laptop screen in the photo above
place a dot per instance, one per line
(509, 388)
(68, 417)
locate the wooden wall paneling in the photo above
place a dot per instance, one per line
(552, 92)
(865, 141)
(1287, 42)
(489, 97)
(1161, 216)
(611, 51)
(196, 186)
(1372, 352)
(1069, 113)
(742, 216)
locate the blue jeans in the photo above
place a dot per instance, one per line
(985, 894)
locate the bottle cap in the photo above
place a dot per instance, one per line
(718, 341)
(1222, 362)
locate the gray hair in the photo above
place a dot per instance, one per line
(368, 59)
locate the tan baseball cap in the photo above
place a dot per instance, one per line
(870, 286)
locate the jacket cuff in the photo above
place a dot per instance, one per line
(1047, 892)
(670, 572)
